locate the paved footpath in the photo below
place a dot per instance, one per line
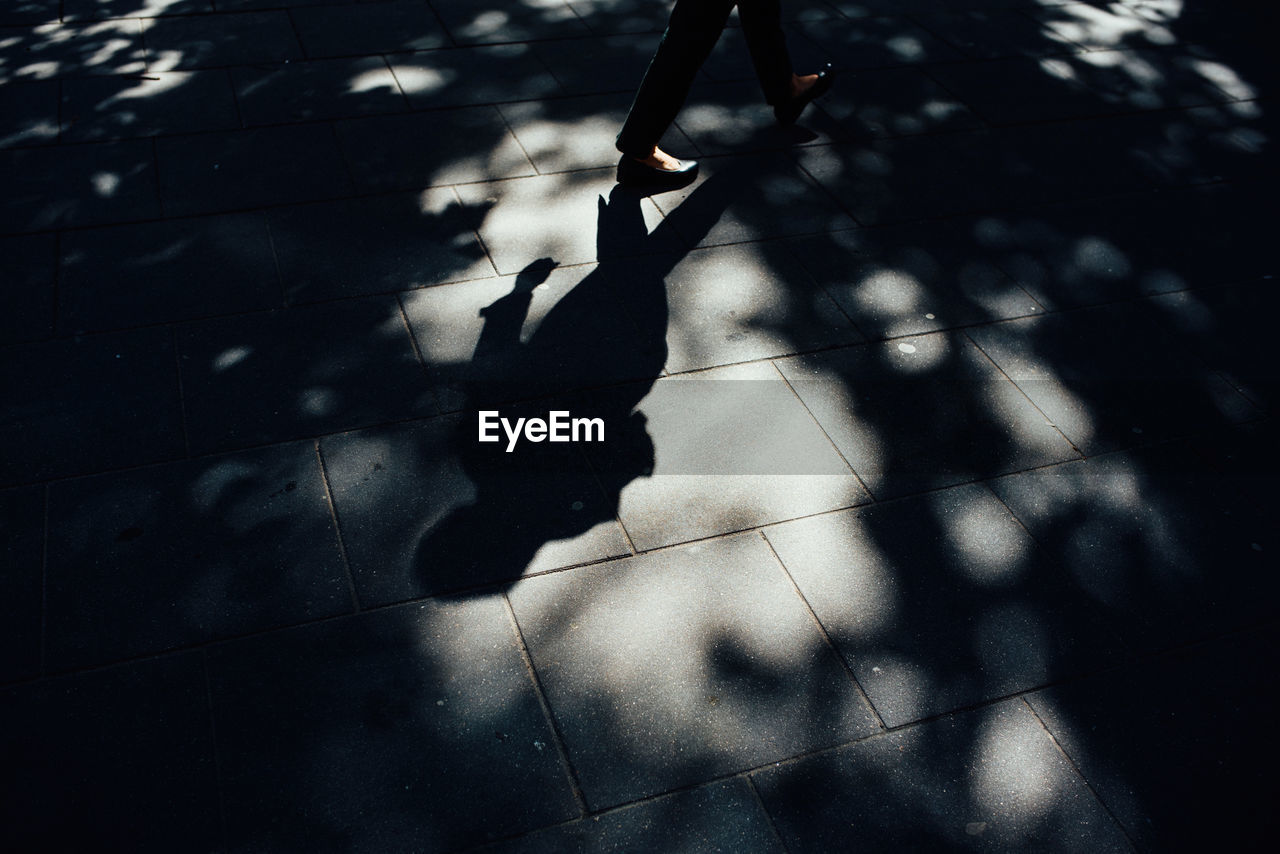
(932, 509)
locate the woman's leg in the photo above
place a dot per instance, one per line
(762, 27)
(692, 32)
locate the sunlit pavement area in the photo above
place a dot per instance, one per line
(934, 508)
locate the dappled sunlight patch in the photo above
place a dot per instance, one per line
(1058, 68)
(841, 415)
(415, 79)
(163, 61)
(1040, 433)
(55, 50)
(1225, 78)
(658, 666)
(907, 48)
(1124, 534)
(1114, 26)
(918, 355)
(515, 20)
(1097, 256)
(371, 81)
(548, 216)
(105, 184)
(893, 676)
(1013, 780)
(317, 401)
(556, 144)
(217, 483)
(231, 357)
(994, 553)
(457, 643)
(733, 308)
(887, 290)
(154, 84)
(1051, 394)
(846, 568)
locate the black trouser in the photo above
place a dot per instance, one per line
(692, 32)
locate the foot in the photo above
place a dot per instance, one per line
(804, 88)
(802, 83)
(659, 159)
(658, 171)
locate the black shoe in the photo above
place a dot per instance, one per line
(633, 173)
(786, 113)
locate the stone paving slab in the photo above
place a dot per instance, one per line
(158, 272)
(473, 75)
(93, 109)
(86, 10)
(468, 23)
(588, 66)
(29, 12)
(210, 173)
(78, 186)
(1226, 329)
(1117, 379)
(723, 118)
(320, 89)
(121, 758)
(21, 545)
(259, 378)
(623, 16)
(911, 280)
(121, 389)
(1091, 253)
(575, 133)
(1171, 541)
(413, 151)
(1010, 91)
(366, 28)
(1213, 144)
(737, 303)
(940, 602)
(30, 270)
(724, 668)
(415, 240)
(732, 448)
(542, 332)
(884, 407)
(871, 43)
(211, 41)
(52, 50)
(426, 705)
(30, 112)
(555, 513)
(932, 176)
(857, 9)
(571, 219)
(164, 557)
(991, 780)
(724, 816)
(247, 5)
(893, 102)
(755, 197)
(1105, 28)
(993, 33)
(1119, 729)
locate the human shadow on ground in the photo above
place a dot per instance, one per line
(608, 331)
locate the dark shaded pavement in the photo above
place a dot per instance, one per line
(934, 506)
